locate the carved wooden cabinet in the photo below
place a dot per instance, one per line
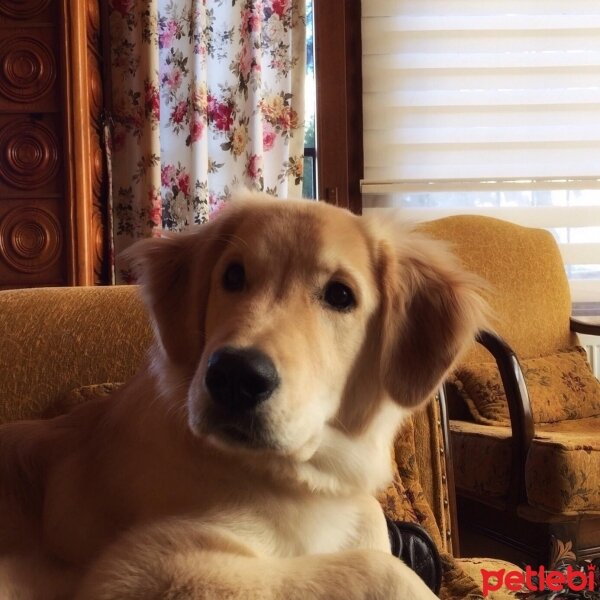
(52, 171)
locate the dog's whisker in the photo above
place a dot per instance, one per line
(233, 240)
(341, 425)
(170, 398)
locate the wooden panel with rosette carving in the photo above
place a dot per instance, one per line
(52, 180)
(31, 243)
(32, 195)
(28, 70)
(30, 155)
(24, 9)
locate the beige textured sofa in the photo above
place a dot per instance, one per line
(58, 342)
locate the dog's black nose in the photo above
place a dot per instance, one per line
(240, 378)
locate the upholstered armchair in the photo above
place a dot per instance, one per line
(63, 346)
(524, 405)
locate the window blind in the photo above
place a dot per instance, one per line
(475, 97)
(463, 89)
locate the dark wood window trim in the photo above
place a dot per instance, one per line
(338, 72)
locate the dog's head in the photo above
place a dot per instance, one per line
(282, 323)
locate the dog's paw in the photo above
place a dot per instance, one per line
(357, 575)
(388, 578)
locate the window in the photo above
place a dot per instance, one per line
(309, 183)
(488, 107)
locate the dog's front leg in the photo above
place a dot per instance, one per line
(179, 561)
(206, 575)
(351, 575)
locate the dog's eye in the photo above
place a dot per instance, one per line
(234, 277)
(339, 296)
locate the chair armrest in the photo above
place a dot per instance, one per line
(586, 325)
(519, 408)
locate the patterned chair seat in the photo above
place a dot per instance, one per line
(563, 467)
(562, 471)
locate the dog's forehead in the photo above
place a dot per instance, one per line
(306, 233)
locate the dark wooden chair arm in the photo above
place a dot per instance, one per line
(589, 326)
(519, 409)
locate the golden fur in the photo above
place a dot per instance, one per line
(144, 494)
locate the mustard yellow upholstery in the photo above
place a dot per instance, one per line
(561, 386)
(79, 395)
(473, 567)
(63, 346)
(56, 339)
(457, 582)
(529, 291)
(562, 471)
(563, 467)
(407, 499)
(530, 297)
(482, 460)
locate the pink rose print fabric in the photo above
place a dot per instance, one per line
(207, 95)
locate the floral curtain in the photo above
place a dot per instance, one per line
(206, 95)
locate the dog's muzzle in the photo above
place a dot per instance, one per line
(239, 379)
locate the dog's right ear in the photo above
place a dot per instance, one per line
(432, 309)
(174, 274)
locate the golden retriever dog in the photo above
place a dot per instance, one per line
(291, 339)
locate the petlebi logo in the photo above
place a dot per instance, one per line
(567, 578)
(566, 583)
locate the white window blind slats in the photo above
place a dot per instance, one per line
(512, 117)
(539, 59)
(512, 24)
(378, 190)
(579, 254)
(462, 98)
(547, 217)
(584, 290)
(510, 74)
(464, 161)
(543, 90)
(389, 8)
(488, 135)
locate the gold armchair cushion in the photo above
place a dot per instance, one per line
(562, 474)
(80, 395)
(404, 499)
(561, 387)
(488, 477)
(55, 339)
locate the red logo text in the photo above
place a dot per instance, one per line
(538, 581)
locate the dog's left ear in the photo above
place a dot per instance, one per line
(431, 311)
(174, 273)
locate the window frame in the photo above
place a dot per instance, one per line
(338, 75)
